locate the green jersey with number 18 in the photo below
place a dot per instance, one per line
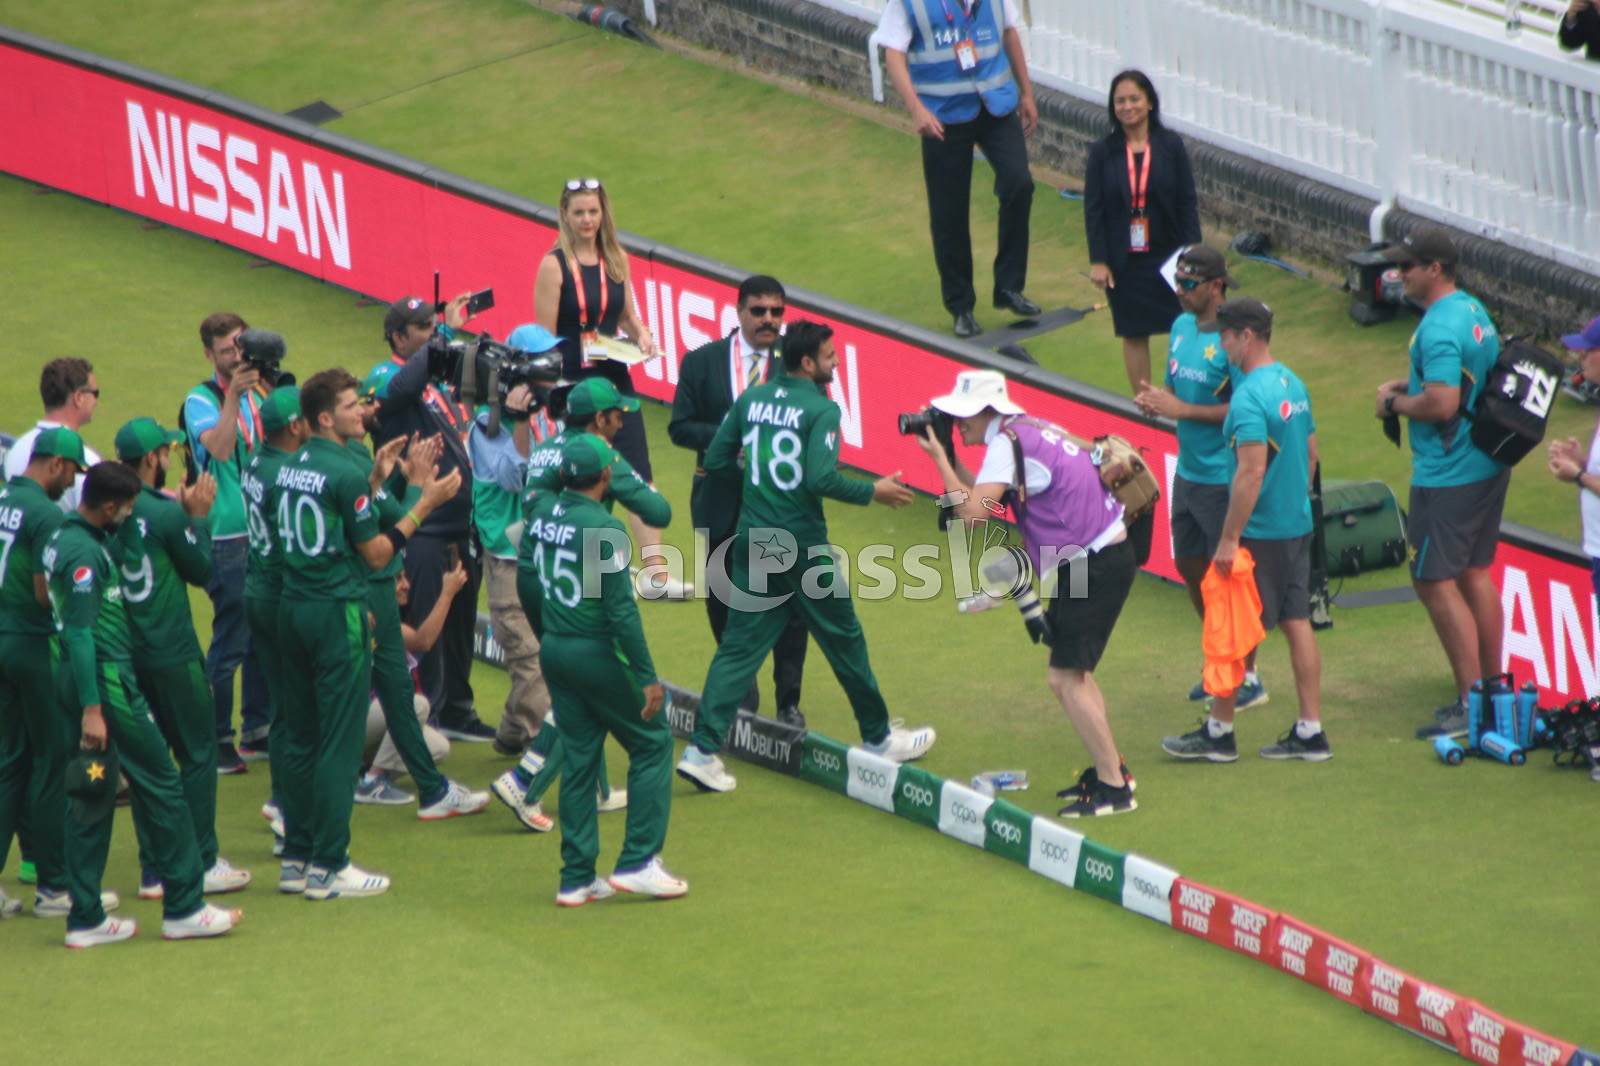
(788, 431)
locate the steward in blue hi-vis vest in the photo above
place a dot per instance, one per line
(957, 57)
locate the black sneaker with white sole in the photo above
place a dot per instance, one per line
(1448, 721)
(1292, 746)
(1095, 798)
(1200, 744)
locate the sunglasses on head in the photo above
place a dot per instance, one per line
(761, 311)
(583, 183)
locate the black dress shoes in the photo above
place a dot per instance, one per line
(966, 325)
(1017, 303)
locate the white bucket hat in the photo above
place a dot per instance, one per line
(974, 391)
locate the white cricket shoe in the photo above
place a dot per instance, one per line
(352, 882)
(904, 745)
(705, 772)
(209, 920)
(508, 790)
(223, 877)
(107, 932)
(456, 801)
(651, 879)
(48, 904)
(577, 897)
(274, 816)
(292, 878)
(9, 907)
(617, 801)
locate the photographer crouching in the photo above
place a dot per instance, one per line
(1074, 540)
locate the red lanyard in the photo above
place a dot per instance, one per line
(249, 418)
(583, 300)
(1140, 187)
(456, 416)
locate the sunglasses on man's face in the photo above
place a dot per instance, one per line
(760, 311)
(1190, 284)
(583, 183)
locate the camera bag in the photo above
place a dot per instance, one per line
(1123, 470)
(1362, 527)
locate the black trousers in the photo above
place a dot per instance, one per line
(947, 170)
(446, 670)
(788, 655)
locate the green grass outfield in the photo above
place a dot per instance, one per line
(817, 929)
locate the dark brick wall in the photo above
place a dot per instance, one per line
(1302, 217)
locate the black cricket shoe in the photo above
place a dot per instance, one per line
(1200, 744)
(1096, 798)
(1291, 746)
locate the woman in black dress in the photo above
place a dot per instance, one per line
(1139, 206)
(588, 316)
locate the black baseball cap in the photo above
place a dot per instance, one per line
(1426, 245)
(408, 311)
(1206, 263)
(1243, 312)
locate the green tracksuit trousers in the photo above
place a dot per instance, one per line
(750, 636)
(34, 749)
(594, 694)
(160, 814)
(180, 698)
(325, 710)
(261, 615)
(392, 682)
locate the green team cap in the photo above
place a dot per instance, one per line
(584, 456)
(91, 777)
(592, 395)
(281, 406)
(143, 436)
(61, 442)
(376, 387)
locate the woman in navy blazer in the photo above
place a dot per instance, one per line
(1139, 206)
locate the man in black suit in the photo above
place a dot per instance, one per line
(708, 381)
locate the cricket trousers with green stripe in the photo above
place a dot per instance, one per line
(261, 616)
(749, 637)
(179, 696)
(326, 692)
(160, 815)
(594, 694)
(392, 682)
(34, 747)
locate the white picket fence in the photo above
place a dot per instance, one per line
(1429, 105)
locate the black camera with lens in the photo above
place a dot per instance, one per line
(943, 426)
(484, 371)
(263, 350)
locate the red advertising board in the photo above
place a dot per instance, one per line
(1488, 1038)
(1222, 918)
(1551, 633)
(1319, 959)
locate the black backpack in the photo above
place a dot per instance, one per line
(1509, 418)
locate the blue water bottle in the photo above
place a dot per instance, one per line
(1448, 750)
(1503, 702)
(1527, 711)
(1475, 698)
(1498, 746)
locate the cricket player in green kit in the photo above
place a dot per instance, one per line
(328, 529)
(782, 440)
(33, 741)
(592, 649)
(165, 547)
(283, 432)
(593, 407)
(440, 797)
(101, 704)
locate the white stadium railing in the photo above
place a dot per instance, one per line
(1433, 106)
